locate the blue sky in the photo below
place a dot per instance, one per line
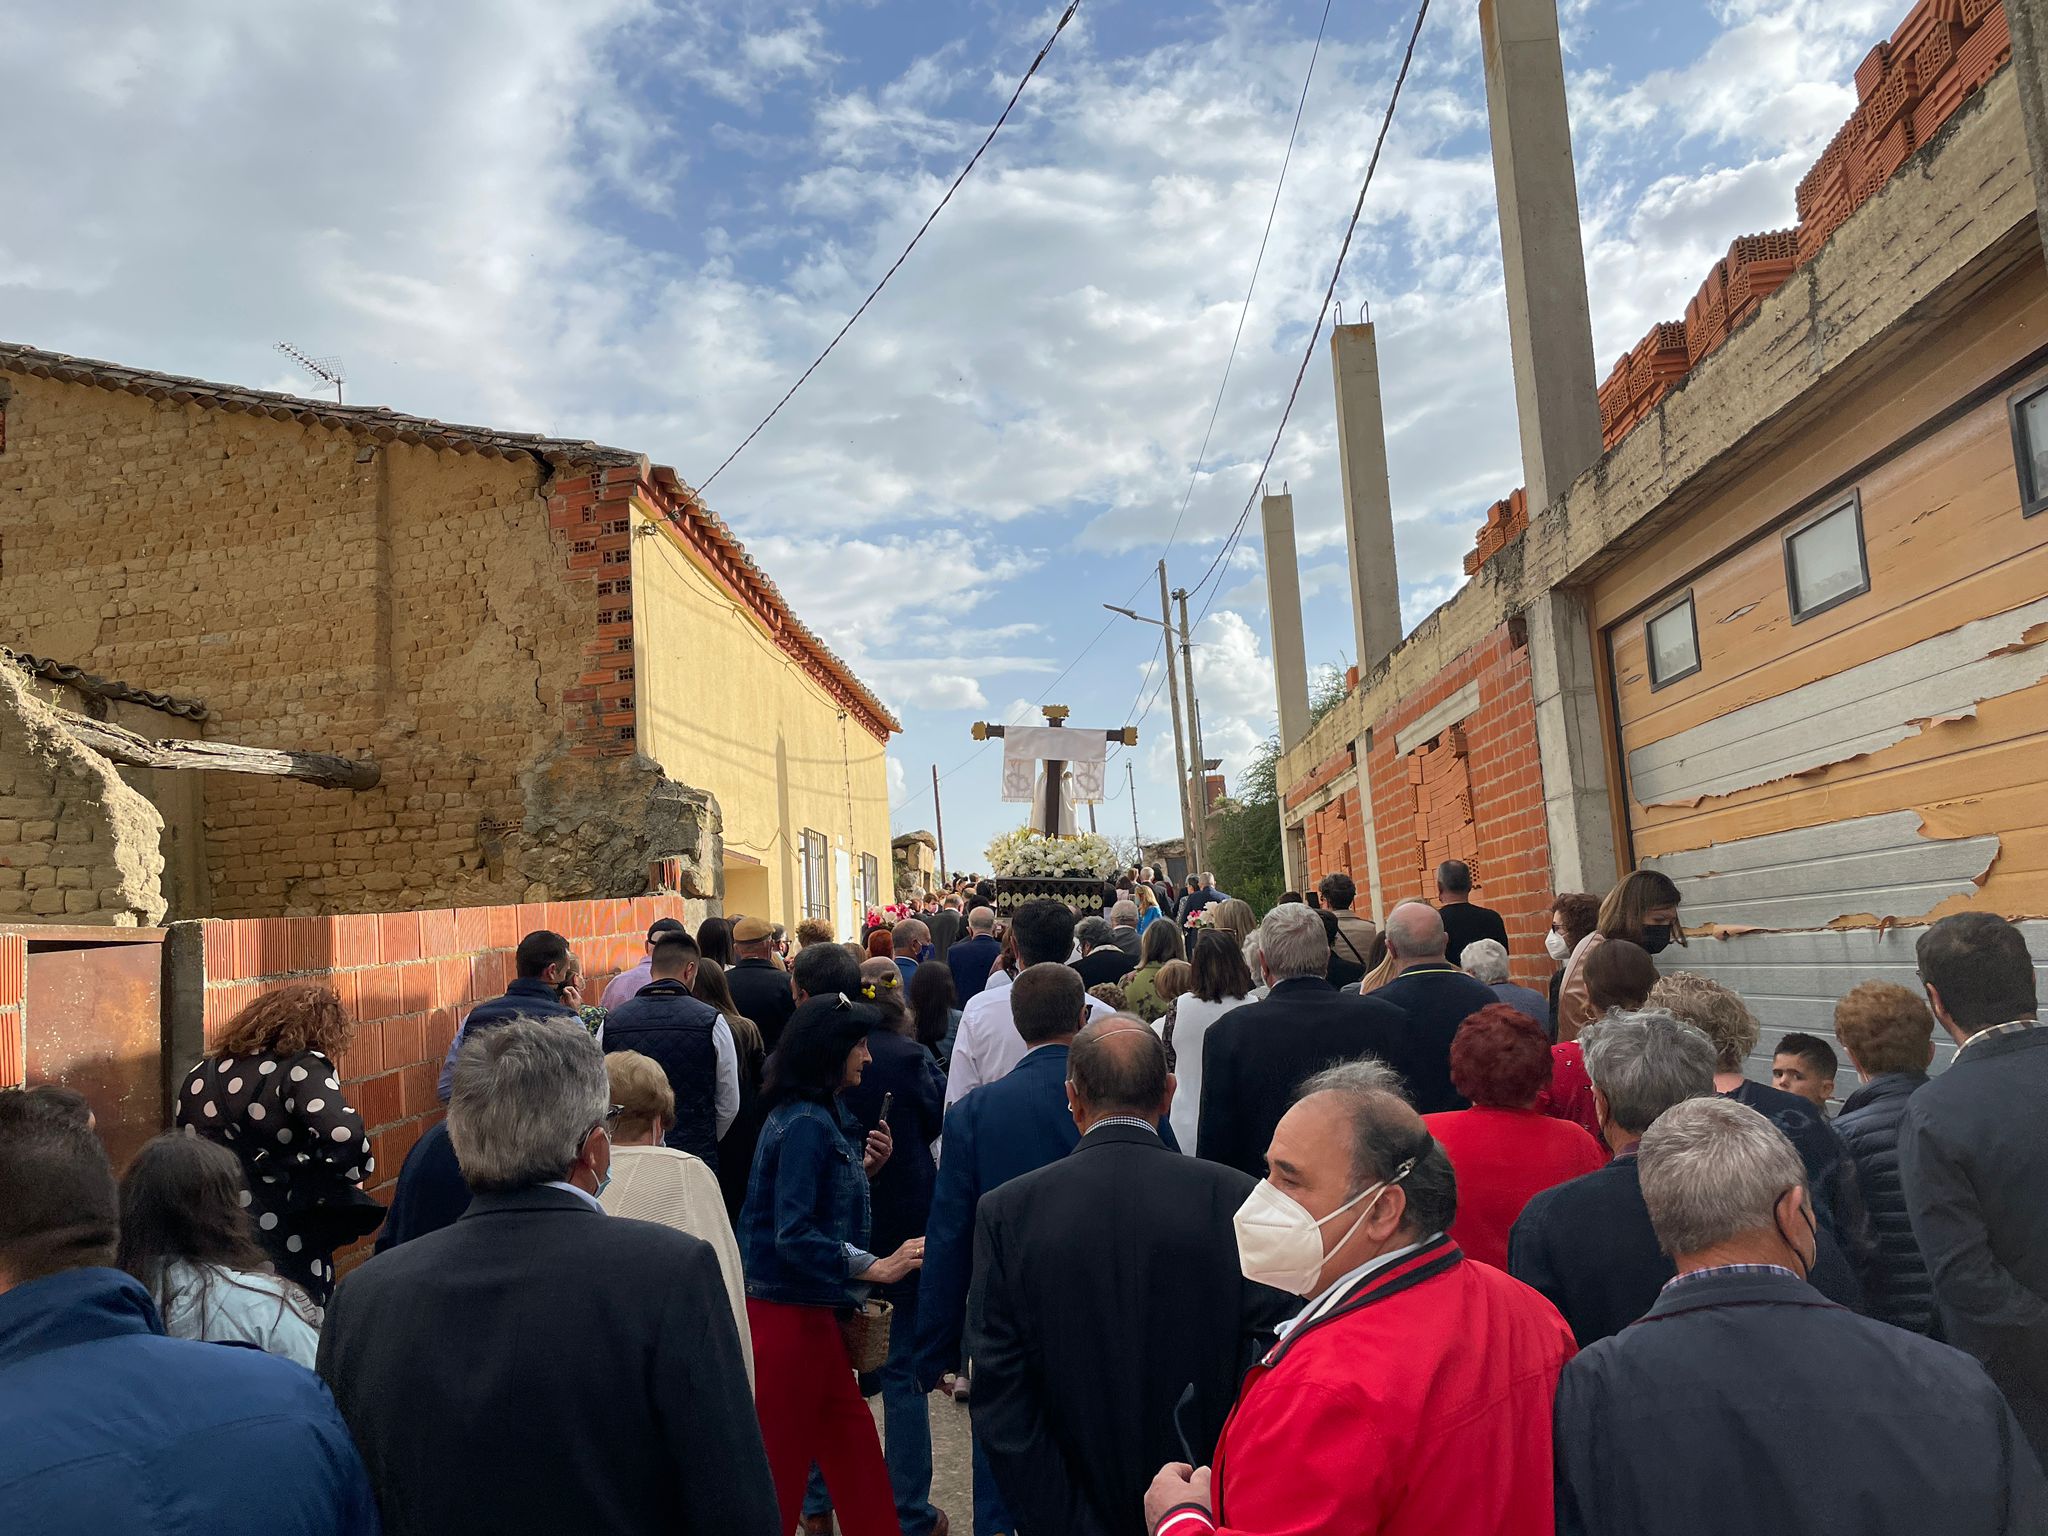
(637, 221)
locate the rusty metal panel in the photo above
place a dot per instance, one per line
(94, 1022)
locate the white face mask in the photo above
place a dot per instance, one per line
(1559, 950)
(1280, 1244)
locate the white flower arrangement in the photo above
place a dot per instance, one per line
(1028, 855)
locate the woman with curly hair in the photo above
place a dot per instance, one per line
(1504, 1150)
(270, 1093)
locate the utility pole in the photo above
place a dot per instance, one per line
(1180, 751)
(1198, 786)
(939, 816)
(1131, 787)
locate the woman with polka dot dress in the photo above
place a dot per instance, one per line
(270, 1093)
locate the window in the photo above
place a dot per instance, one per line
(870, 882)
(817, 896)
(1825, 563)
(1673, 641)
(2030, 448)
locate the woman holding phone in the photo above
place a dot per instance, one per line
(903, 1089)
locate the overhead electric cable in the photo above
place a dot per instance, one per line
(1065, 16)
(1329, 292)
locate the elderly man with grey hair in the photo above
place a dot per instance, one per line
(1123, 928)
(1436, 996)
(1754, 1404)
(540, 1365)
(1587, 1243)
(1413, 1392)
(1486, 962)
(1102, 959)
(1255, 1057)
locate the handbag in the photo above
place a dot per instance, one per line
(865, 1330)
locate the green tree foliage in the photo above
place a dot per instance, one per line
(1244, 832)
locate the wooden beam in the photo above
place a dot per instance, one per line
(322, 769)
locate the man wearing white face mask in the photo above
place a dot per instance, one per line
(1412, 1395)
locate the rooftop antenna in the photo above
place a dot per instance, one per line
(326, 369)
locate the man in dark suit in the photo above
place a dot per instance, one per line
(1587, 1244)
(1437, 997)
(1709, 1417)
(1254, 1057)
(1464, 919)
(1001, 1130)
(972, 958)
(760, 987)
(540, 1365)
(542, 966)
(1123, 929)
(1109, 1322)
(1102, 958)
(946, 925)
(1973, 1155)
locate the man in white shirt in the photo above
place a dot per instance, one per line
(988, 1044)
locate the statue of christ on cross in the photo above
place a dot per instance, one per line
(1073, 766)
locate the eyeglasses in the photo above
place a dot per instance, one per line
(613, 1113)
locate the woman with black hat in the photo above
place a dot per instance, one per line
(803, 1236)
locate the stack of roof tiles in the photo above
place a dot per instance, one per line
(1906, 89)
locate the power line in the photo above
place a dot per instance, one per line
(1286, 159)
(1357, 208)
(974, 159)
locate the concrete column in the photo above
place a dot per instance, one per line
(1368, 500)
(1550, 324)
(1375, 889)
(1283, 611)
(1293, 858)
(2029, 22)
(1576, 789)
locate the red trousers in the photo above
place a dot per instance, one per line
(811, 1410)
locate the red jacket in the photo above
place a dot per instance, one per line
(1570, 1094)
(1419, 1406)
(1503, 1158)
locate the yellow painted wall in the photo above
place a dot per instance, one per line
(721, 707)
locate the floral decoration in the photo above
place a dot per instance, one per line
(1029, 855)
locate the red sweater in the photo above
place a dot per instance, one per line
(1418, 1407)
(1504, 1158)
(1570, 1094)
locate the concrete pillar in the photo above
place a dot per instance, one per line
(2029, 22)
(1550, 325)
(1576, 800)
(1375, 887)
(1283, 610)
(1368, 500)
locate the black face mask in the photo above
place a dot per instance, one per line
(1657, 938)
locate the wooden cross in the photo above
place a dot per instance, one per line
(1055, 769)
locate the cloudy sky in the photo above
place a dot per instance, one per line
(637, 220)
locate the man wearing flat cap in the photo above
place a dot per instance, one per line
(759, 986)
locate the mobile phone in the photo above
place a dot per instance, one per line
(888, 1102)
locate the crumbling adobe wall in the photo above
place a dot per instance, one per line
(593, 827)
(77, 845)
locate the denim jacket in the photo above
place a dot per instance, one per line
(804, 1228)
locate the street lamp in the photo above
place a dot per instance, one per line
(1192, 799)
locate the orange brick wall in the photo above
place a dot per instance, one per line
(13, 995)
(1475, 793)
(1335, 837)
(408, 979)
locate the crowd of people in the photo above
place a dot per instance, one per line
(1218, 1222)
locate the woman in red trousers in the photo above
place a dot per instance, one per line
(803, 1235)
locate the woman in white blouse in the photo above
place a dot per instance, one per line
(1221, 983)
(187, 1236)
(653, 1182)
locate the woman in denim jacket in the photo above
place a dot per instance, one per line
(803, 1236)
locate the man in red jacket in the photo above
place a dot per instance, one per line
(1412, 1396)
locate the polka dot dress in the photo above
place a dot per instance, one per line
(296, 1134)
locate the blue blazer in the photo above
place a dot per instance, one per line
(999, 1131)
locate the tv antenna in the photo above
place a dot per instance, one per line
(326, 369)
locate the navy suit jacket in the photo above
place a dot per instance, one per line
(970, 961)
(1001, 1130)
